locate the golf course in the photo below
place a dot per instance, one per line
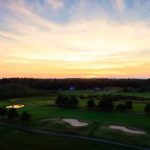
(46, 116)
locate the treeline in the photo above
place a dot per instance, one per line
(20, 87)
(56, 84)
(104, 103)
(13, 90)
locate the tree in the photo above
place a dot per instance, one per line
(66, 101)
(60, 100)
(147, 108)
(121, 107)
(12, 114)
(129, 105)
(3, 111)
(73, 101)
(106, 104)
(91, 103)
(25, 116)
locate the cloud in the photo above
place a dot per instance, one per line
(79, 48)
(120, 5)
(56, 4)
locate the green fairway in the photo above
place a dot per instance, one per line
(50, 99)
(41, 112)
(137, 94)
(98, 121)
(109, 91)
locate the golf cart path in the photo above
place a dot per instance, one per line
(26, 129)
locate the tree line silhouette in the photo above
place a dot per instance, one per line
(21, 87)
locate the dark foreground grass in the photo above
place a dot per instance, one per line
(11, 139)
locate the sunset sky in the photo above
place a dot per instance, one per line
(75, 38)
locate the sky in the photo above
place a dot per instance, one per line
(75, 38)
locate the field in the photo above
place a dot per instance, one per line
(47, 117)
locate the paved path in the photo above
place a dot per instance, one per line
(74, 136)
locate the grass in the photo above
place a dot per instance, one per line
(11, 139)
(137, 94)
(137, 107)
(129, 119)
(109, 91)
(50, 100)
(94, 129)
(40, 109)
(102, 119)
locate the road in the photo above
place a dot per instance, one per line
(27, 129)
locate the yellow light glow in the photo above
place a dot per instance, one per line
(15, 106)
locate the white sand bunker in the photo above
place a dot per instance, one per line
(75, 122)
(124, 129)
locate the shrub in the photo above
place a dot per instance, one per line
(73, 101)
(90, 103)
(120, 107)
(129, 105)
(67, 101)
(60, 100)
(106, 104)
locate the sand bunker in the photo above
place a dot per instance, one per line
(124, 129)
(75, 122)
(15, 106)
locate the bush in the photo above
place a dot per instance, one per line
(60, 100)
(121, 107)
(66, 101)
(147, 108)
(129, 105)
(90, 103)
(106, 104)
(73, 101)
